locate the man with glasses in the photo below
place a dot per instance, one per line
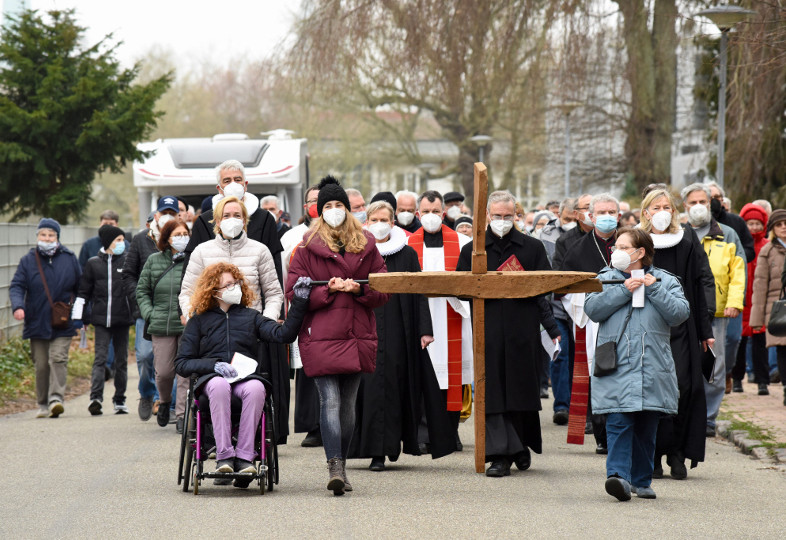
(513, 343)
(438, 248)
(231, 182)
(585, 225)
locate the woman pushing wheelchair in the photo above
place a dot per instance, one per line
(224, 324)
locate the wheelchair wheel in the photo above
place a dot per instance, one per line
(183, 472)
(188, 441)
(261, 478)
(188, 471)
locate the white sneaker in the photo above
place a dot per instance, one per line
(56, 409)
(121, 408)
(43, 412)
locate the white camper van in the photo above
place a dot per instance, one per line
(277, 165)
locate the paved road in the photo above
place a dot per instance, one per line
(115, 477)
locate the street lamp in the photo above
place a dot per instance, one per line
(566, 109)
(482, 141)
(724, 17)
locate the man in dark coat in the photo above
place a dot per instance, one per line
(453, 200)
(513, 344)
(406, 206)
(273, 360)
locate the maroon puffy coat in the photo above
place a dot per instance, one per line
(339, 332)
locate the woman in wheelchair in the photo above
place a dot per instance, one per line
(223, 324)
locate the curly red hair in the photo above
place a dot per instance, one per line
(204, 298)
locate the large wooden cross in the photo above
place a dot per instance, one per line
(480, 284)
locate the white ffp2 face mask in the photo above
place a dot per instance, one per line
(621, 260)
(232, 296)
(699, 215)
(231, 227)
(454, 212)
(163, 220)
(235, 190)
(380, 230)
(568, 226)
(431, 222)
(334, 216)
(405, 218)
(500, 227)
(661, 220)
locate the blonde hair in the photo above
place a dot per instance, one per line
(348, 235)
(219, 210)
(376, 206)
(651, 197)
(204, 298)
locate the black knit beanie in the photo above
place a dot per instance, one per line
(331, 190)
(386, 196)
(107, 234)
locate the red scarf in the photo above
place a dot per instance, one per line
(452, 250)
(577, 420)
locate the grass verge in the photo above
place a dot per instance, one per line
(755, 432)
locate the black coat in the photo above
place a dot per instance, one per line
(564, 244)
(705, 272)
(216, 335)
(740, 227)
(102, 285)
(404, 386)
(583, 255)
(513, 346)
(687, 434)
(412, 227)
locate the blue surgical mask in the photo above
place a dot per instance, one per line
(47, 246)
(360, 216)
(119, 248)
(606, 223)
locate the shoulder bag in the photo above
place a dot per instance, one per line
(606, 354)
(777, 323)
(61, 311)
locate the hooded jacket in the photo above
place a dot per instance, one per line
(251, 257)
(62, 272)
(645, 378)
(727, 265)
(752, 211)
(111, 297)
(339, 333)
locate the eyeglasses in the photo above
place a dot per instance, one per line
(229, 286)
(582, 208)
(311, 201)
(620, 248)
(497, 217)
(181, 235)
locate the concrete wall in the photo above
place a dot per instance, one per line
(15, 241)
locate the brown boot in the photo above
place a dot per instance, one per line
(336, 476)
(347, 485)
(728, 384)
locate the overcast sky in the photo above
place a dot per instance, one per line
(220, 30)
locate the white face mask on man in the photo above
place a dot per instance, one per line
(454, 212)
(234, 190)
(431, 222)
(405, 218)
(500, 227)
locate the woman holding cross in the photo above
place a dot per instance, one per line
(338, 339)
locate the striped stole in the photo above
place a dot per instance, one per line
(577, 420)
(451, 250)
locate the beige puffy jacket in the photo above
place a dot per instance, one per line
(251, 257)
(767, 287)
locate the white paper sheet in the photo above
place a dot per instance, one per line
(244, 366)
(551, 348)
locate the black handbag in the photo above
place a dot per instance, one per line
(777, 323)
(606, 355)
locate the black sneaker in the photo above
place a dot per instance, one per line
(763, 391)
(561, 417)
(163, 414)
(120, 406)
(179, 424)
(313, 439)
(736, 386)
(145, 408)
(95, 407)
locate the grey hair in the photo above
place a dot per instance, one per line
(501, 197)
(697, 186)
(227, 165)
(712, 183)
(269, 198)
(567, 204)
(727, 201)
(764, 203)
(601, 198)
(352, 192)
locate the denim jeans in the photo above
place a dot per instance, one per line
(560, 369)
(144, 363)
(717, 388)
(631, 440)
(337, 397)
(733, 336)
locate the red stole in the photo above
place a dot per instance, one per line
(452, 250)
(577, 420)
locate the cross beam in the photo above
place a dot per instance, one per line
(479, 284)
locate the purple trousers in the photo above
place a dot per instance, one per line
(220, 392)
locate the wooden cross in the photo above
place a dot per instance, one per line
(480, 284)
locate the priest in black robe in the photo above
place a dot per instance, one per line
(513, 343)
(404, 387)
(272, 357)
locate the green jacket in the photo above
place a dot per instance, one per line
(159, 308)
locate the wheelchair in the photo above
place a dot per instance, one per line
(197, 443)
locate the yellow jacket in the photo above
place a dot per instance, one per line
(727, 267)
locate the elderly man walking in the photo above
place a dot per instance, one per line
(728, 267)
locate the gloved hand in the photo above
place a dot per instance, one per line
(225, 370)
(302, 287)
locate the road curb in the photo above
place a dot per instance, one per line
(751, 447)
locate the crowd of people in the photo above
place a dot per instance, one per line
(682, 318)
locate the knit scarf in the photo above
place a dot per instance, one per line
(577, 419)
